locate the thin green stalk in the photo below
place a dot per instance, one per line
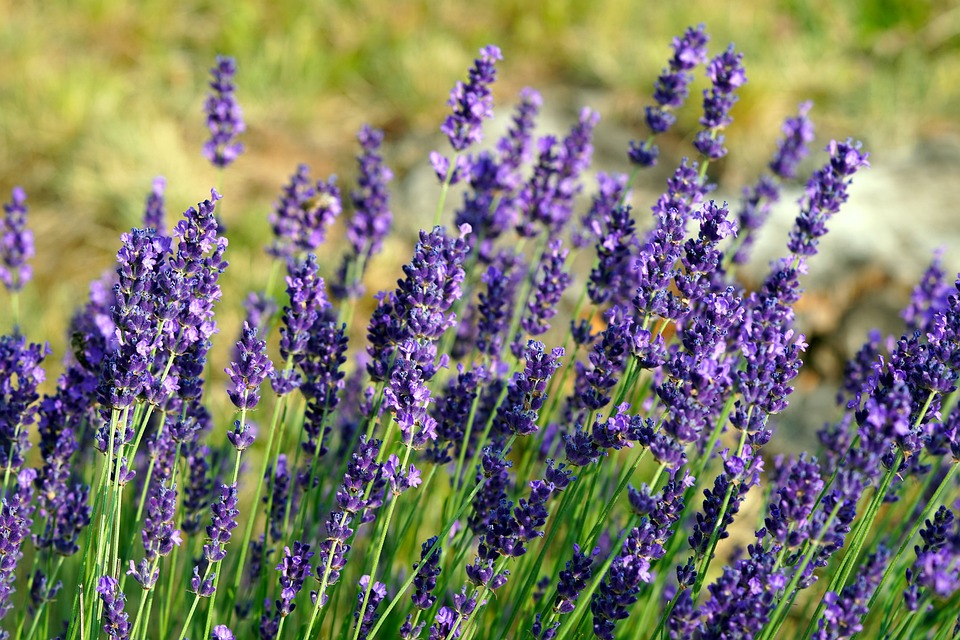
(444, 188)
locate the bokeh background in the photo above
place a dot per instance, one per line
(99, 96)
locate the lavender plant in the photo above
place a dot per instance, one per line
(517, 449)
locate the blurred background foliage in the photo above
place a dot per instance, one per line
(99, 96)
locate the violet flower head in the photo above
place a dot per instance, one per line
(372, 217)
(224, 116)
(223, 522)
(793, 146)
(670, 91)
(826, 191)
(743, 598)
(417, 314)
(408, 397)
(427, 571)
(368, 617)
(159, 534)
(21, 374)
(16, 243)
(307, 301)
(294, 569)
(472, 102)
(552, 281)
(155, 209)
(302, 215)
(929, 298)
(574, 579)
(842, 614)
(222, 632)
(726, 74)
(16, 511)
(249, 373)
(115, 622)
(494, 308)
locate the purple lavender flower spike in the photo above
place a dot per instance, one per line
(417, 314)
(929, 298)
(427, 571)
(826, 191)
(368, 617)
(248, 374)
(726, 74)
(631, 566)
(611, 191)
(224, 116)
(843, 613)
(547, 197)
(16, 243)
(155, 209)
(159, 534)
(408, 397)
(743, 598)
(527, 391)
(222, 632)
(788, 519)
(740, 473)
(792, 148)
(552, 281)
(574, 579)
(303, 214)
(494, 309)
(307, 301)
(16, 511)
(670, 91)
(280, 481)
(936, 572)
(201, 587)
(372, 217)
(472, 102)
(755, 206)
(294, 569)
(115, 621)
(21, 374)
(223, 522)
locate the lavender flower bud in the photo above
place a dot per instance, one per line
(726, 74)
(116, 623)
(472, 102)
(224, 521)
(826, 191)
(426, 580)
(16, 243)
(671, 91)
(247, 374)
(154, 211)
(294, 569)
(574, 579)
(224, 116)
(369, 616)
(222, 632)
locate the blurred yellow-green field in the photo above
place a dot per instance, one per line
(99, 96)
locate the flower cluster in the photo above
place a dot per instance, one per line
(480, 444)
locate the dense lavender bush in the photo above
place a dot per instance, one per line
(517, 449)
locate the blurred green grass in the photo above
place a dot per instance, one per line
(99, 96)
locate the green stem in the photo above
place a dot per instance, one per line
(444, 188)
